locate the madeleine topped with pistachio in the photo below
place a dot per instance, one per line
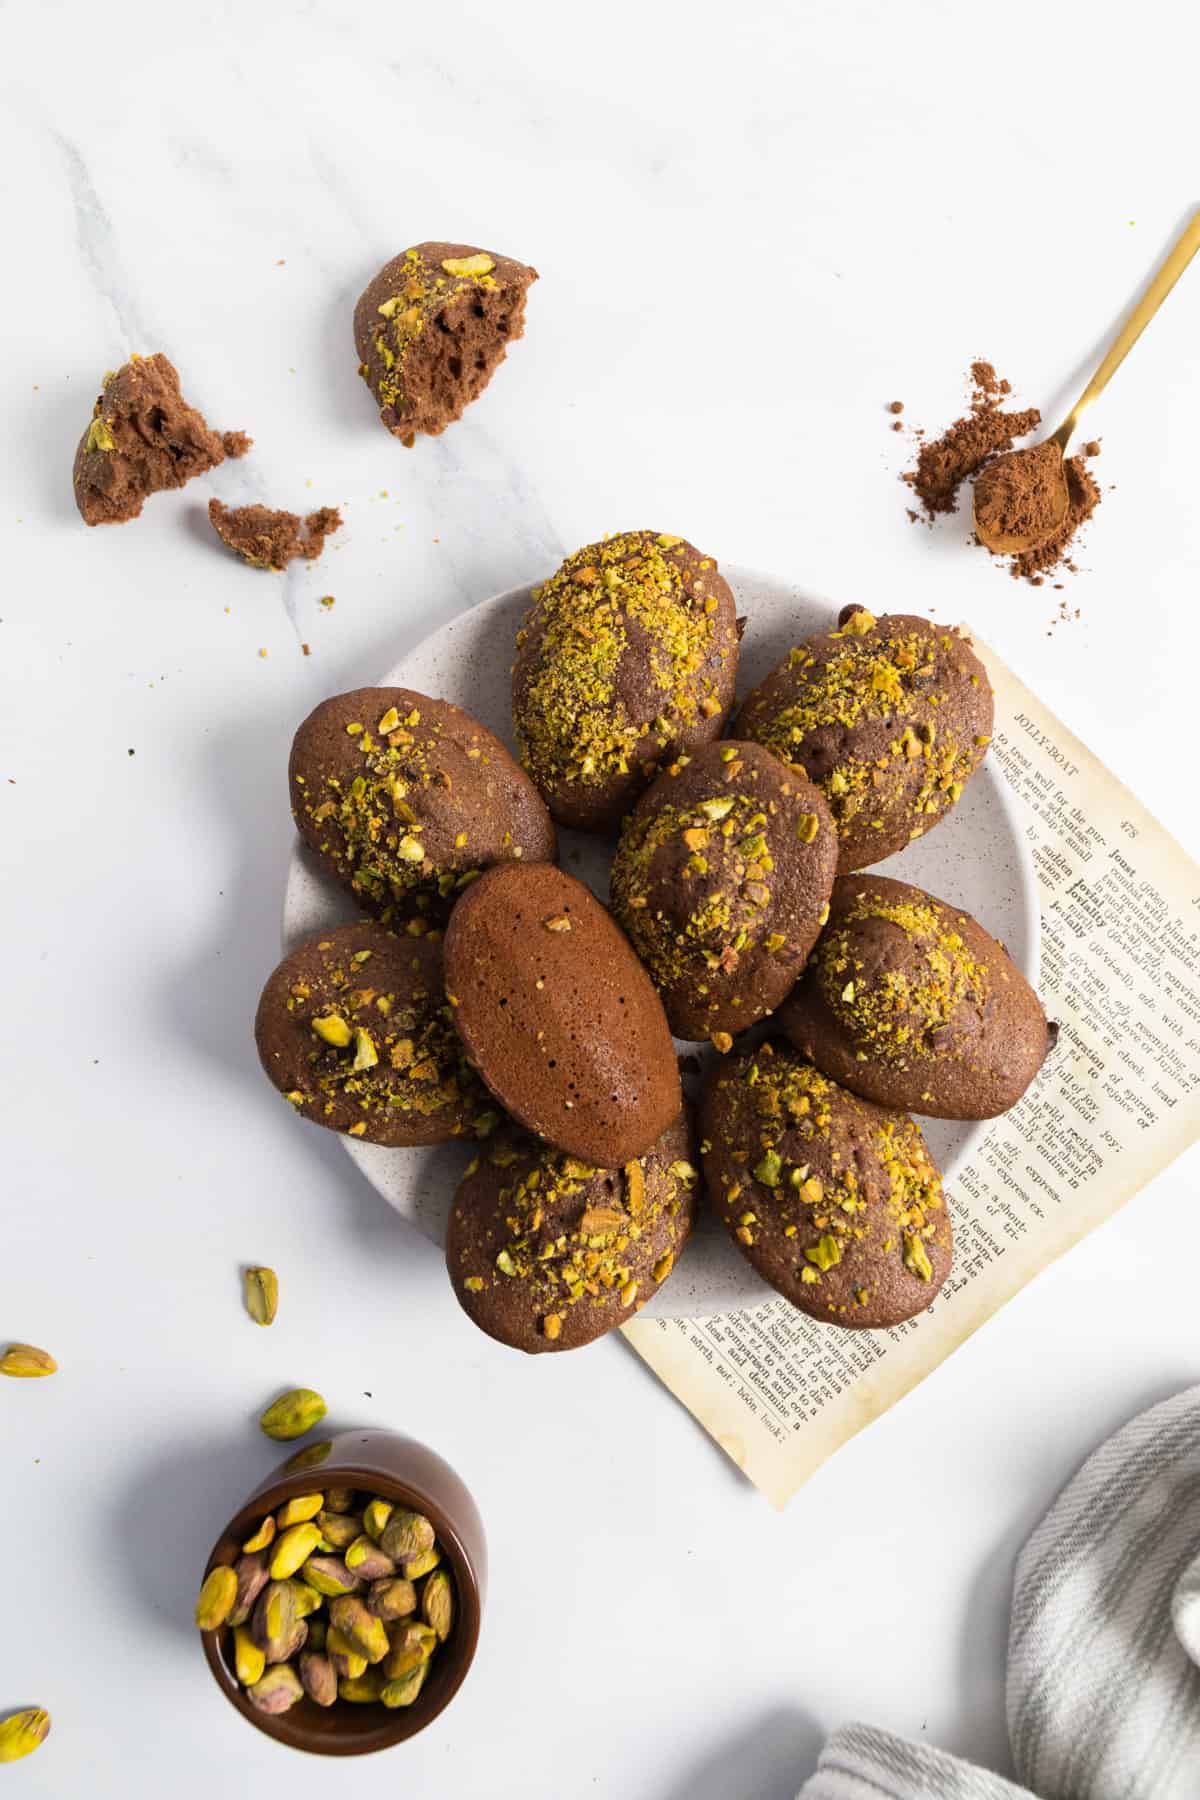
(406, 799)
(547, 1252)
(355, 1031)
(834, 1201)
(627, 657)
(433, 327)
(910, 1002)
(890, 717)
(721, 880)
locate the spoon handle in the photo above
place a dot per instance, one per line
(1176, 262)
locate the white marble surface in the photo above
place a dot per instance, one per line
(754, 228)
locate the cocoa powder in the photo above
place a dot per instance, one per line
(1020, 493)
(1084, 498)
(983, 432)
(987, 382)
(1013, 492)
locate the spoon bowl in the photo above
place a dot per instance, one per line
(1041, 466)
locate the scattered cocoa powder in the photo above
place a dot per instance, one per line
(946, 462)
(986, 383)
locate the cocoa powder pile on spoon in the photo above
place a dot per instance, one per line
(1019, 495)
(1083, 499)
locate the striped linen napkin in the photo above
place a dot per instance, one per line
(1103, 1695)
(1104, 1647)
(861, 1763)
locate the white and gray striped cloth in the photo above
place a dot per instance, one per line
(1104, 1648)
(861, 1763)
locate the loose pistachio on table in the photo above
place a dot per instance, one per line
(260, 1288)
(336, 1596)
(23, 1732)
(293, 1414)
(26, 1362)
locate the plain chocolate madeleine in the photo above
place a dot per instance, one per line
(910, 1002)
(559, 1016)
(546, 1252)
(836, 1202)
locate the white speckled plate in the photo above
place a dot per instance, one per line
(977, 859)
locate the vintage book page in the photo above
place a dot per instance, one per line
(1121, 973)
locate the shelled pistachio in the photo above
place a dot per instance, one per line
(337, 1597)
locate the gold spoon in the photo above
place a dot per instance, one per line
(1055, 474)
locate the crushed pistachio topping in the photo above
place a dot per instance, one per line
(99, 437)
(405, 315)
(691, 886)
(824, 1198)
(480, 264)
(573, 723)
(379, 1051)
(572, 1233)
(874, 675)
(382, 821)
(903, 1012)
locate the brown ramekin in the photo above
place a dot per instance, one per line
(379, 1462)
